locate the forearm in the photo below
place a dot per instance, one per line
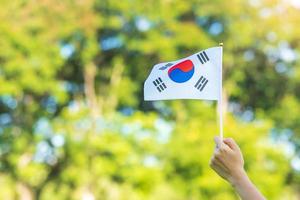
(228, 162)
(245, 188)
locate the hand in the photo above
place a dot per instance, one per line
(228, 160)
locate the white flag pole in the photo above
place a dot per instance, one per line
(220, 105)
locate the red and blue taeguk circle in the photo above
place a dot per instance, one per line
(182, 71)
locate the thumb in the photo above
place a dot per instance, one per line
(218, 141)
(231, 143)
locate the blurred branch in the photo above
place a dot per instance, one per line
(89, 89)
(116, 77)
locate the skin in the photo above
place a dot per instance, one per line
(228, 163)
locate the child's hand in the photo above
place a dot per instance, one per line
(228, 160)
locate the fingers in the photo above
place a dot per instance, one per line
(220, 145)
(218, 141)
(231, 143)
(228, 141)
(218, 165)
(214, 161)
(222, 153)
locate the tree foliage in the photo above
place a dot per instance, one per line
(73, 123)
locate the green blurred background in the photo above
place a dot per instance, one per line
(73, 123)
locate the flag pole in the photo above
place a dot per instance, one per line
(220, 104)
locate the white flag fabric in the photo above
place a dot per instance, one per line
(198, 76)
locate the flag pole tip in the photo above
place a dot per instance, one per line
(221, 44)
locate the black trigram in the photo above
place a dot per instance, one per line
(202, 56)
(166, 66)
(201, 83)
(159, 84)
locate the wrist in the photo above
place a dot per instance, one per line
(244, 187)
(238, 178)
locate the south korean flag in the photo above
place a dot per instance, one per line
(198, 76)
